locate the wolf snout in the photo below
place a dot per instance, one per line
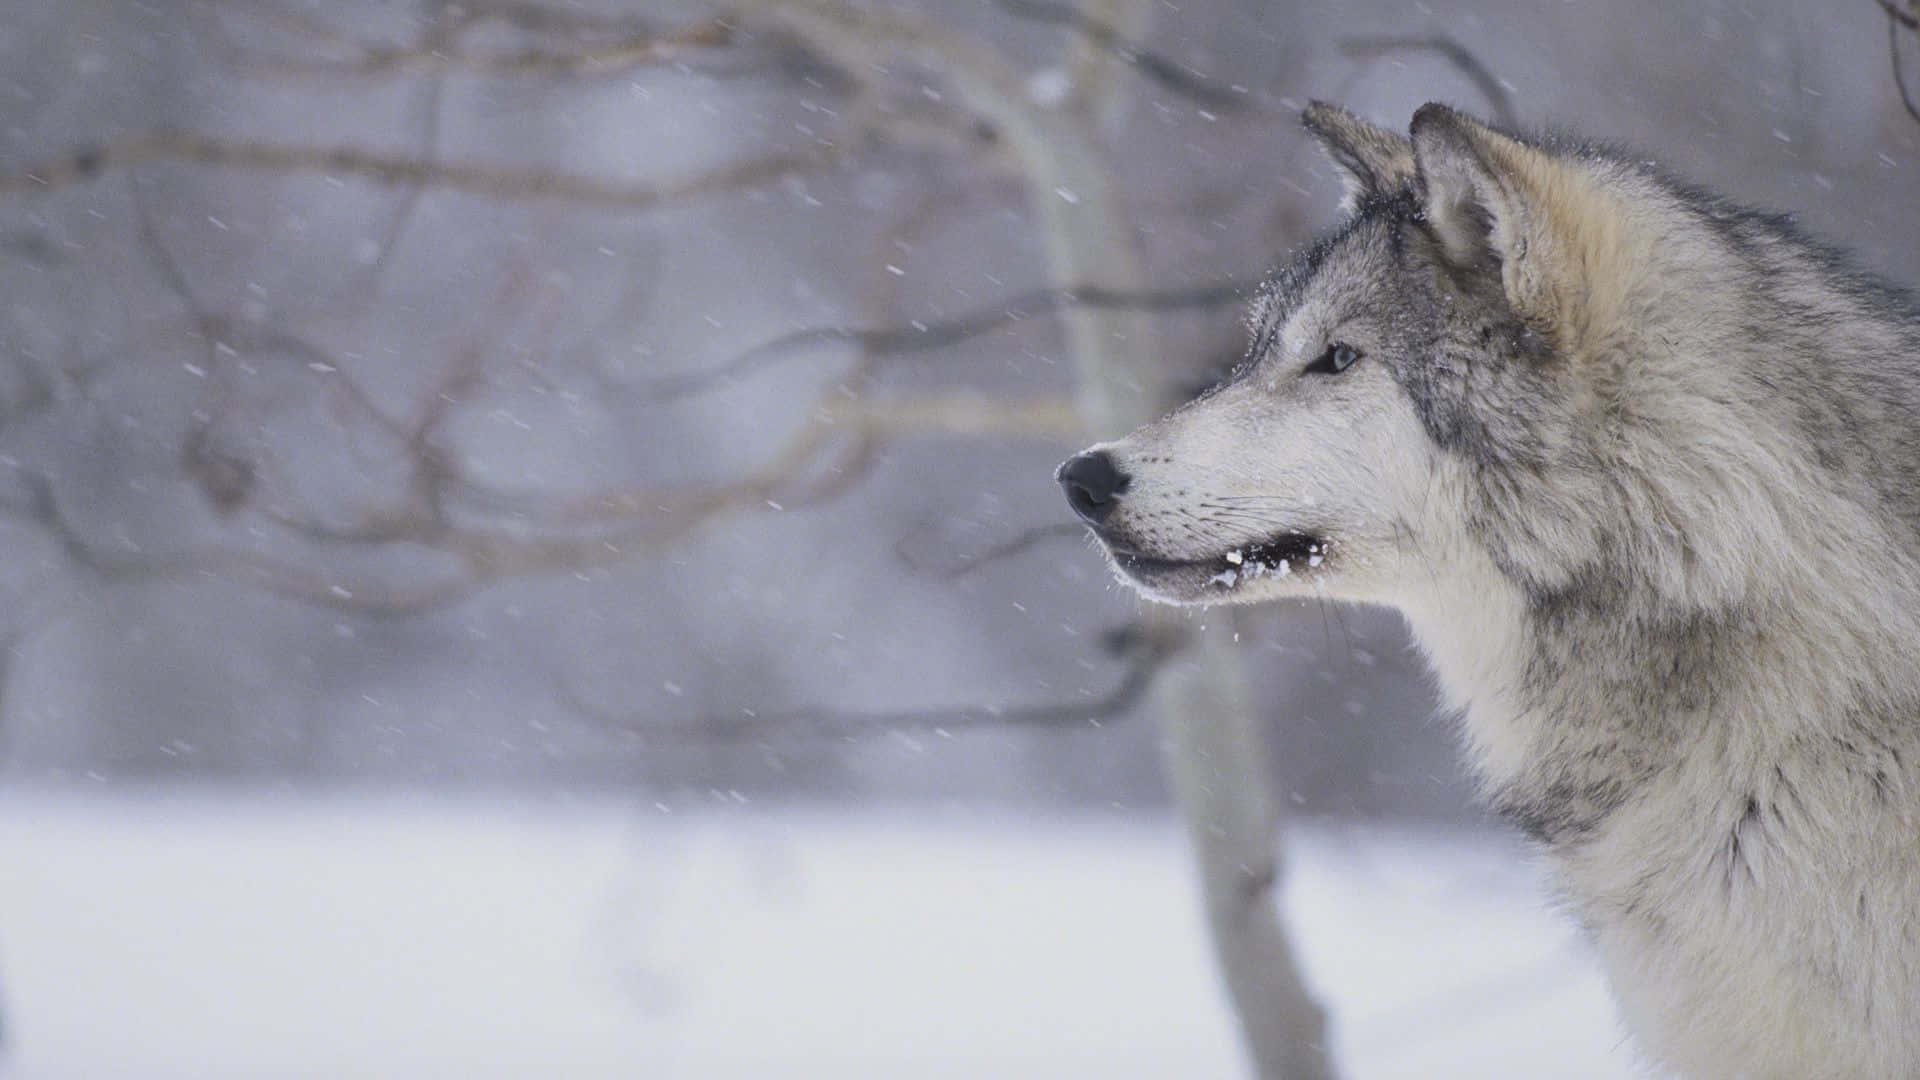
(1093, 483)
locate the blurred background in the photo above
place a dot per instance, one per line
(531, 544)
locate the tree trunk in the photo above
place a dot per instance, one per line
(1216, 758)
(1215, 748)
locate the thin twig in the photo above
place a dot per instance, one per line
(1910, 21)
(967, 564)
(546, 17)
(1161, 69)
(920, 337)
(1499, 98)
(832, 423)
(1145, 652)
(1895, 20)
(642, 521)
(586, 61)
(403, 214)
(501, 182)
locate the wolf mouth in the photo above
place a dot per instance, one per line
(1276, 557)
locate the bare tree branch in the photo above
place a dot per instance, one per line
(446, 21)
(642, 520)
(293, 21)
(645, 521)
(431, 95)
(1169, 73)
(955, 413)
(1895, 20)
(917, 337)
(546, 17)
(1145, 650)
(172, 275)
(1907, 19)
(1499, 98)
(1095, 73)
(500, 182)
(832, 448)
(595, 60)
(954, 569)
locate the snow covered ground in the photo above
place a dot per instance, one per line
(165, 935)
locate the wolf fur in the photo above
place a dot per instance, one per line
(1642, 470)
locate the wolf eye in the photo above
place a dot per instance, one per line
(1338, 358)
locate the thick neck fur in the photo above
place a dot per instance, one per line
(1695, 540)
(1576, 707)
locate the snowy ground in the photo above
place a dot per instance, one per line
(162, 935)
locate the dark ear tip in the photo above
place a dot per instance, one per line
(1437, 120)
(1317, 117)
(1433, 115)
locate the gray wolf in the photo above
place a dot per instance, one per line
(1641, 468)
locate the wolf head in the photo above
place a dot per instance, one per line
(1515, 362)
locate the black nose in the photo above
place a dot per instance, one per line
(1093, 484)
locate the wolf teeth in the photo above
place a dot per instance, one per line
(1280, 568)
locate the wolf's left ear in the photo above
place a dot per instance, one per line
(1476, 185)
(1372, 160)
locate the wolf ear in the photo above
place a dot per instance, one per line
(1372, 160)
(1474, 184)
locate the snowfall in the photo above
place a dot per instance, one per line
(251, 935)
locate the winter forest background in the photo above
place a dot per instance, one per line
(531, 545)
